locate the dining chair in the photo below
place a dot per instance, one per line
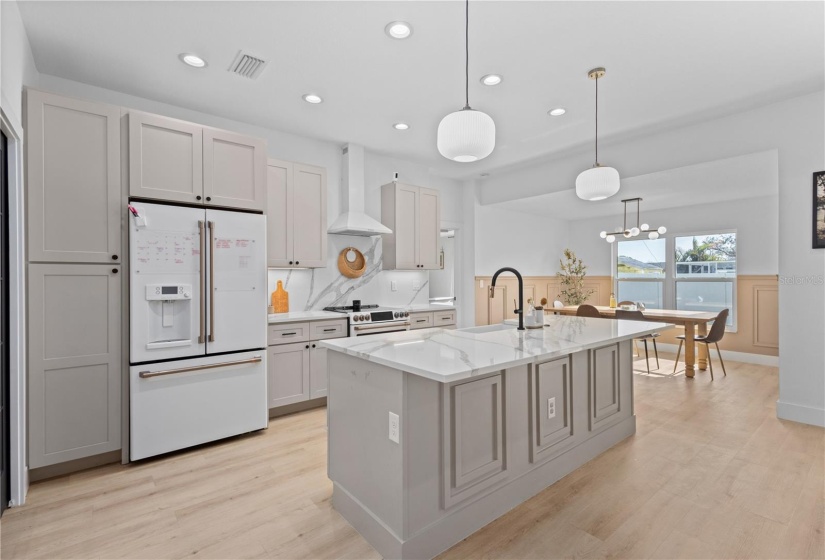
(639, 316)
(587, 310)
(717, 331)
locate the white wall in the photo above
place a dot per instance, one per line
(754, 219)
(16, 62)
(793, 128)
(530, 243)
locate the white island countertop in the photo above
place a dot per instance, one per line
(452, 355)
(294, 316)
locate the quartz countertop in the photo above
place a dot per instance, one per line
(452, 355)
(431, 307)
(294, 316)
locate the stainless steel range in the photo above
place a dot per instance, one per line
(372, 319)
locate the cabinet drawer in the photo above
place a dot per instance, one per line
(442, 318)
(287, 332)
(335, 328)
(421, 320)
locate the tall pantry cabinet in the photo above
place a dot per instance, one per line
(75, 251)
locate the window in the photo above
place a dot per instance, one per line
(640, 269)
(705, 273)
(690, 272)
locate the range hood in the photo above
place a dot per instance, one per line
(353, 220)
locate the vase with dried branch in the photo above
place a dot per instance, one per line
(571, 279)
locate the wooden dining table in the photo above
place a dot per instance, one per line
(695, 322)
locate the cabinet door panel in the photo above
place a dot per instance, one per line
(310, 216)
(288, 374)
(604, 394)
(165, 159)
(279, 203)
(73, 180)
(429, 228)
(234, 170)
(74, 362)
(406, 236)
(550, 436)
(318, 372)
(474, 438)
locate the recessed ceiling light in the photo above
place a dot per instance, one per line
(557, 112)
(192, 60)
(401, 126)
(491, 80)
(312, 98)
(398, 29)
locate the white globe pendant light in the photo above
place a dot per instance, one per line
(466, 135)
(598, 182)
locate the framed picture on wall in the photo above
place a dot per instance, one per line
(819, 210)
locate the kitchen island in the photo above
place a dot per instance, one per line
(433, 434)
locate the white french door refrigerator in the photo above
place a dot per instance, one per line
(197, 326)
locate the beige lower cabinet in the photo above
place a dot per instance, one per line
(428, 319)
(288, 373)
(297, 371)
(74, 361)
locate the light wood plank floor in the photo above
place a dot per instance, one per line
(711, 473)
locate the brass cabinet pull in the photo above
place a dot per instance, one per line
(150, 374)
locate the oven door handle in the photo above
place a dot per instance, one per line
(384, 326)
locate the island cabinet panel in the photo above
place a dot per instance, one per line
(474, 437)
(605, 386)
(551, 408)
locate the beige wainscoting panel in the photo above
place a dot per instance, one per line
(757, 298)
(765, 314)
(535, 287)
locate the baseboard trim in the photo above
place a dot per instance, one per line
(746, 357)
(800, 413)
(73, 466)
(297, 407)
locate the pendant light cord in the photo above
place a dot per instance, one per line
(597, 120)
(467, 54)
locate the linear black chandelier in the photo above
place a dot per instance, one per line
(637, 229)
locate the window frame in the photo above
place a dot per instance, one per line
(670, 280)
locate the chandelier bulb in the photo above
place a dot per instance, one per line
(662, 230)
(603, 234)
(634, 231)
(610, 238)
(645, 227)
(653, 235)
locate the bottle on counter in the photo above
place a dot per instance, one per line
(612, 300)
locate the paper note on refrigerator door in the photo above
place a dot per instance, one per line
(235, 264)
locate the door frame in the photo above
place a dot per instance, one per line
(17, 311)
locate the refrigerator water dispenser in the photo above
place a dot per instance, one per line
(170, 315)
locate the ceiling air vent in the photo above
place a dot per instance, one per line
(247, 65)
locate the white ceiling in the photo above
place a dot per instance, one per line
(667, 63)
(750, 176)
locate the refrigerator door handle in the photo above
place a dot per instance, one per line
(211, 281)
(150, 374)
(202, 279)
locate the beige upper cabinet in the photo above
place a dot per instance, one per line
(73, 176)
(414, 216)
(179, 161)
(296, 215)
(165, 158)
(234, 170)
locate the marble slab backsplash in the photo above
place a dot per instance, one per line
(316, 288)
